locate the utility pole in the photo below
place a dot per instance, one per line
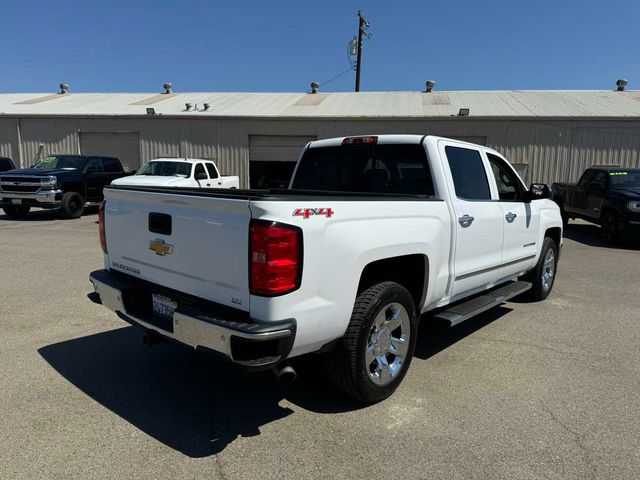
(362, 26)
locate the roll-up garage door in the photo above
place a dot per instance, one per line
(272, 159)
(123, 145)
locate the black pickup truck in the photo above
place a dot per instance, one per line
(607, 196)
(65, 182)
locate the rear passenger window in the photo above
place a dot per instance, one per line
(469, 176)
(111, 165)
(94, 165)
(212, 170)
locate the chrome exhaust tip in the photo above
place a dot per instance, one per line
(285, 374)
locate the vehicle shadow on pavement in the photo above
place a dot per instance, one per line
(589, 234)
(197, 403)
(193, 402)
(435, 335)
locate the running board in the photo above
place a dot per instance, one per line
(463, 311)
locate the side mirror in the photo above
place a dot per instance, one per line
(201, 176)
(538, 191)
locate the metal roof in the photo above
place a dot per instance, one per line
(514, 103)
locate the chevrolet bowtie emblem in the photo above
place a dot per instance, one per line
(160, 247)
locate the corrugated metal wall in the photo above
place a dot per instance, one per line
(555, 150)
(9, 139)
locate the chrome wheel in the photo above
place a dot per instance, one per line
(548, 269)
(388, 343)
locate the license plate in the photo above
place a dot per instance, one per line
(16, 201)
(163, 306)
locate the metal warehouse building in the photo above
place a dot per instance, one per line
(548, 135)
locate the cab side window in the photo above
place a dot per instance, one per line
(199, 173)
(469, 176)
(111, 165)
(94, 165)
(599, 179)
(212, 170)
(585, 180)
(509, 186)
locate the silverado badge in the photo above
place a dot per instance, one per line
(160, 247)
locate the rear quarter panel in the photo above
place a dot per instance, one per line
(338, 248)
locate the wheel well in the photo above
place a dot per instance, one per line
(408, 270)
(608, 210)
(554, 234)
(76, 188)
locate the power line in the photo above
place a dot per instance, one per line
(350, 69)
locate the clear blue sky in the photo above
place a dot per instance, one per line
(135, 46)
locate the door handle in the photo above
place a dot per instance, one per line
(208, 184)
(465, 221)
(510, 217)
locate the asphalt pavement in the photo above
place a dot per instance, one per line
(525, 391)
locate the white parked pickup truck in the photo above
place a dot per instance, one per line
(180, 172)
(372, 232)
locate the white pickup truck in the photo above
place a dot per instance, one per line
(372, 232)
(180, 172)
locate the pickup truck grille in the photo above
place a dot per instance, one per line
(20, 184)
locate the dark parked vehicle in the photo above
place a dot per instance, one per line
(607, 196)
(65, 182)
(6, 164)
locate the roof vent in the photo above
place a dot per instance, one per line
(187, 106)
(315, 86)
(206, 106)
(64, 88)
(621, 84)
(430, 85)
(168, 88)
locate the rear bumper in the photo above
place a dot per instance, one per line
(197, 323)
(42, 198)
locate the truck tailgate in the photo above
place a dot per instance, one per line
(198, 245)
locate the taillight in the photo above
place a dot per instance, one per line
(103, 238)
(370, 140)
(275, 258)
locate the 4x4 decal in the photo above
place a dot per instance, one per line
(308, 212)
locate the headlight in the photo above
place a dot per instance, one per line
(634, 205)
(51, 182)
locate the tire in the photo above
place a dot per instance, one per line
(72, 205)
(364, 365)
(543, 275)
(609, 229)
(16, 212)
